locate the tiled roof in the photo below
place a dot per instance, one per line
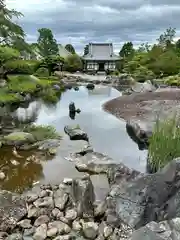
(101, 51)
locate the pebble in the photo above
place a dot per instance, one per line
(2, 176)
(3, 235)
(43, 193)
(63, 228)
(41, 220)
(29, 232)
(90, 230)
(41, 232)
(56, 213)
(71, 214)
(65, 237)
(31, 197)
(107, 231)
(44, 202)
(76, 226)
(14, 162)
(26, 223)
(67, 181)
(52, 232)
(32, 211)
(60, 199)
(15, 236)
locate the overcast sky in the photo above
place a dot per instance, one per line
(82, 21)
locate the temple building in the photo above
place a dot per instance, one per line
(100, 57)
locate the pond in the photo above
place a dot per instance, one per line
(107, 135)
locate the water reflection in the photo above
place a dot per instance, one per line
(22, 175)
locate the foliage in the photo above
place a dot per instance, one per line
(159, 60)
(9, 30)
(41, 132)
(8, 98)
(19, 66)
(42, 72)
(164, 143)
(47, 45)
(70, 48)
(86, 50)
(73, 63)
(51, 63)
(8, 53)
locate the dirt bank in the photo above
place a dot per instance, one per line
(145, 106)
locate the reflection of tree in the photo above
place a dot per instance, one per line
(22, 176)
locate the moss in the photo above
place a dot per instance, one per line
(19, 137)
(42, 132)
(8, 98)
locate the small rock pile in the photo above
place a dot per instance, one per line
(63, 212)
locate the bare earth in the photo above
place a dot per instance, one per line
(145, 107)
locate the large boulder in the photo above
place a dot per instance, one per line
(94, 162)
(83, 196)
(75, 133)
(18, 138)
(166, 230)
(139, 133)
(12, 210)
(137, 201)
(147, 86)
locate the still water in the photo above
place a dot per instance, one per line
(107, 135)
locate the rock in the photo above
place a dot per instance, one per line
(72, 107)
(68, 181)
(49, 145)
(76, 226)
(143, 87)
(29, 232)
(137, 201)
(32, 211)
(125, 79)
(71, 214)
(90, 86)
(52, 232)
(94, 162)
(56, 87)
(3, 235)
(83, 196)
(12, 210)
(90, 230)
(2, 176)
(76, 88)
(139, 134)
(44, 202)
(166, 230)
(107, 231)
(41, 220)
(41, 232)
(25, 223)
(15, 236)
(100, 209)
(60, 199)
(63, 228)
(64, 237)
(56, 213)
(18, 138)
(75, 133)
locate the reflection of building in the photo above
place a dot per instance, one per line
(100, 57)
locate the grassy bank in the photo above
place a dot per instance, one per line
(164, 143)
(19, 85)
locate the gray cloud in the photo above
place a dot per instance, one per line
(83, 21)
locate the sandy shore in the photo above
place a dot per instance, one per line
(144, 106)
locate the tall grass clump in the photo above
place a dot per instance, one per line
(164, 143)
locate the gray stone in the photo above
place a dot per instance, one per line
(41, 232)
(12, 210)
(44, 202)
(63, 228)
(71, 214)
(32, 211)
(83, 196)
(56, 213)
(90, 230)
(60, 199)
(3, 235)
(29, 232)
(14, 162)
(25, 223)
(107, 231)
(67, 181)
(64, 237)
(143, 87)
(31, 197)
(15, 236)
(100, 209)
(75, 133)
(76, 226)
(41, 220)
(94, 162)
(43, 193)
(52, 232)
(47, 144)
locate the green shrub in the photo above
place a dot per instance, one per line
(49, 95)
(19, 67)
(142, 74)
(172, 80)
(41, 132)
(42, 72)
(164, 143)
(73, 63)
(6, 97)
